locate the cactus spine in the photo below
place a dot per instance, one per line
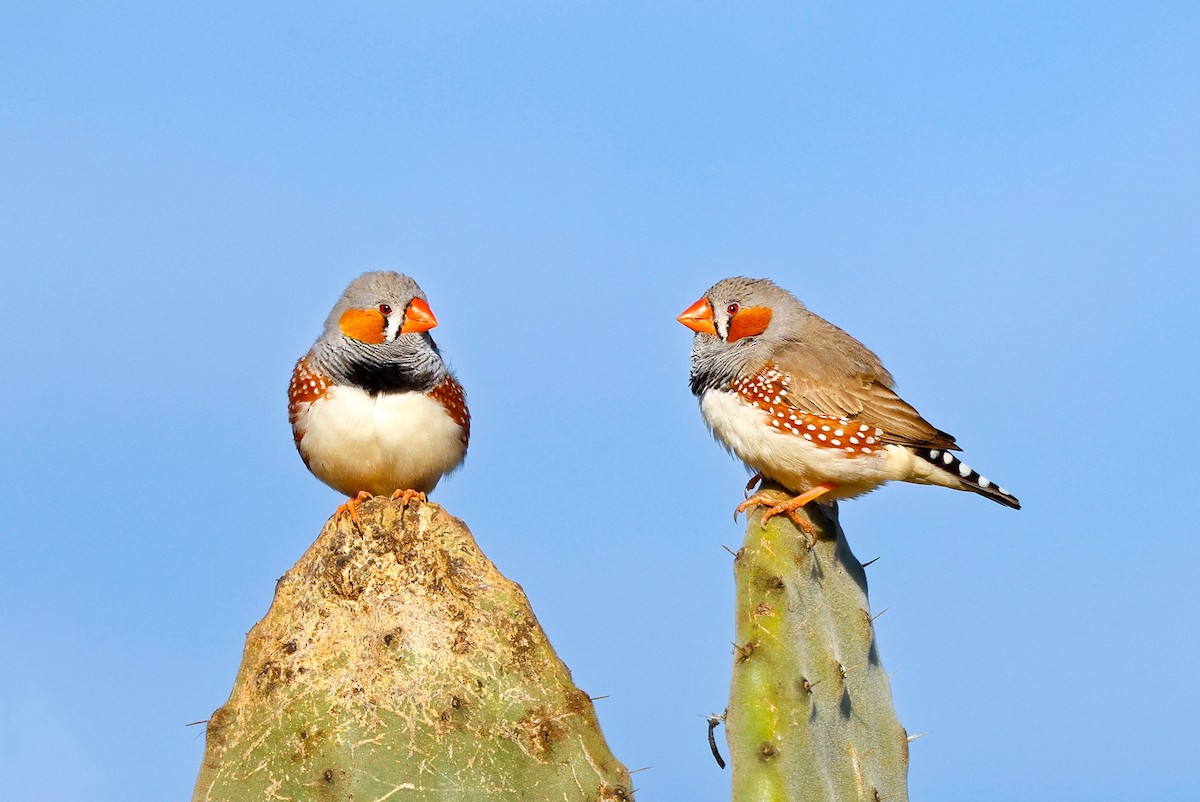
(397, 663)
(810, 713)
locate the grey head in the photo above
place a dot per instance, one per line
(739, 322)
(742, 324)
(377, 336)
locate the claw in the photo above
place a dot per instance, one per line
(753, 483)
(775, 506)
(405, 496)
(351, 508)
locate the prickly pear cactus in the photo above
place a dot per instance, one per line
(397, 663)
(810, 714)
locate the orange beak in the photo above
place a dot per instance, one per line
(699, 317)
(419, 317)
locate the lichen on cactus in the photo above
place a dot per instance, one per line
(810, 713)
(397, 663)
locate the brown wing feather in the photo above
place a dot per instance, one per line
(833, 374)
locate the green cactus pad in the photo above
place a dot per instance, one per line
(396, 663)
(810, 713)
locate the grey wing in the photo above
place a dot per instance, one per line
(842, 378)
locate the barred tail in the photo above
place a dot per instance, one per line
(970, 479)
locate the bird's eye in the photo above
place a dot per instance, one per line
(384, 310)
(732, 309)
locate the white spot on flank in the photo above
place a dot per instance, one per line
(811, 428)
(854, 440)
(807, 436)
(934, 453)
(964, 470)
(820, 437)
(835, 442)
(838, 432)
(984, 482)
(947, 458)
(824, 428)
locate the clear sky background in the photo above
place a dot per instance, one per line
(1001, 199)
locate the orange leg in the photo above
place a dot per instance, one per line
(775, 506)
(405, 496)
(351, 507)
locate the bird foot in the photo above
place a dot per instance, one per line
(775, 506)
(351, 508)
(405, 496)
(755, 480)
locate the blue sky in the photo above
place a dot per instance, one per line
(1001, 199)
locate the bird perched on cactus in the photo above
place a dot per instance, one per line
(808, 406)
(374, 409)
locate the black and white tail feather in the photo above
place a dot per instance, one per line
(970, 478)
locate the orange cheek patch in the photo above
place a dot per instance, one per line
(749, 322)
(364, 325)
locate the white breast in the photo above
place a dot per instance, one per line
(354, 441)
(794, 462)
